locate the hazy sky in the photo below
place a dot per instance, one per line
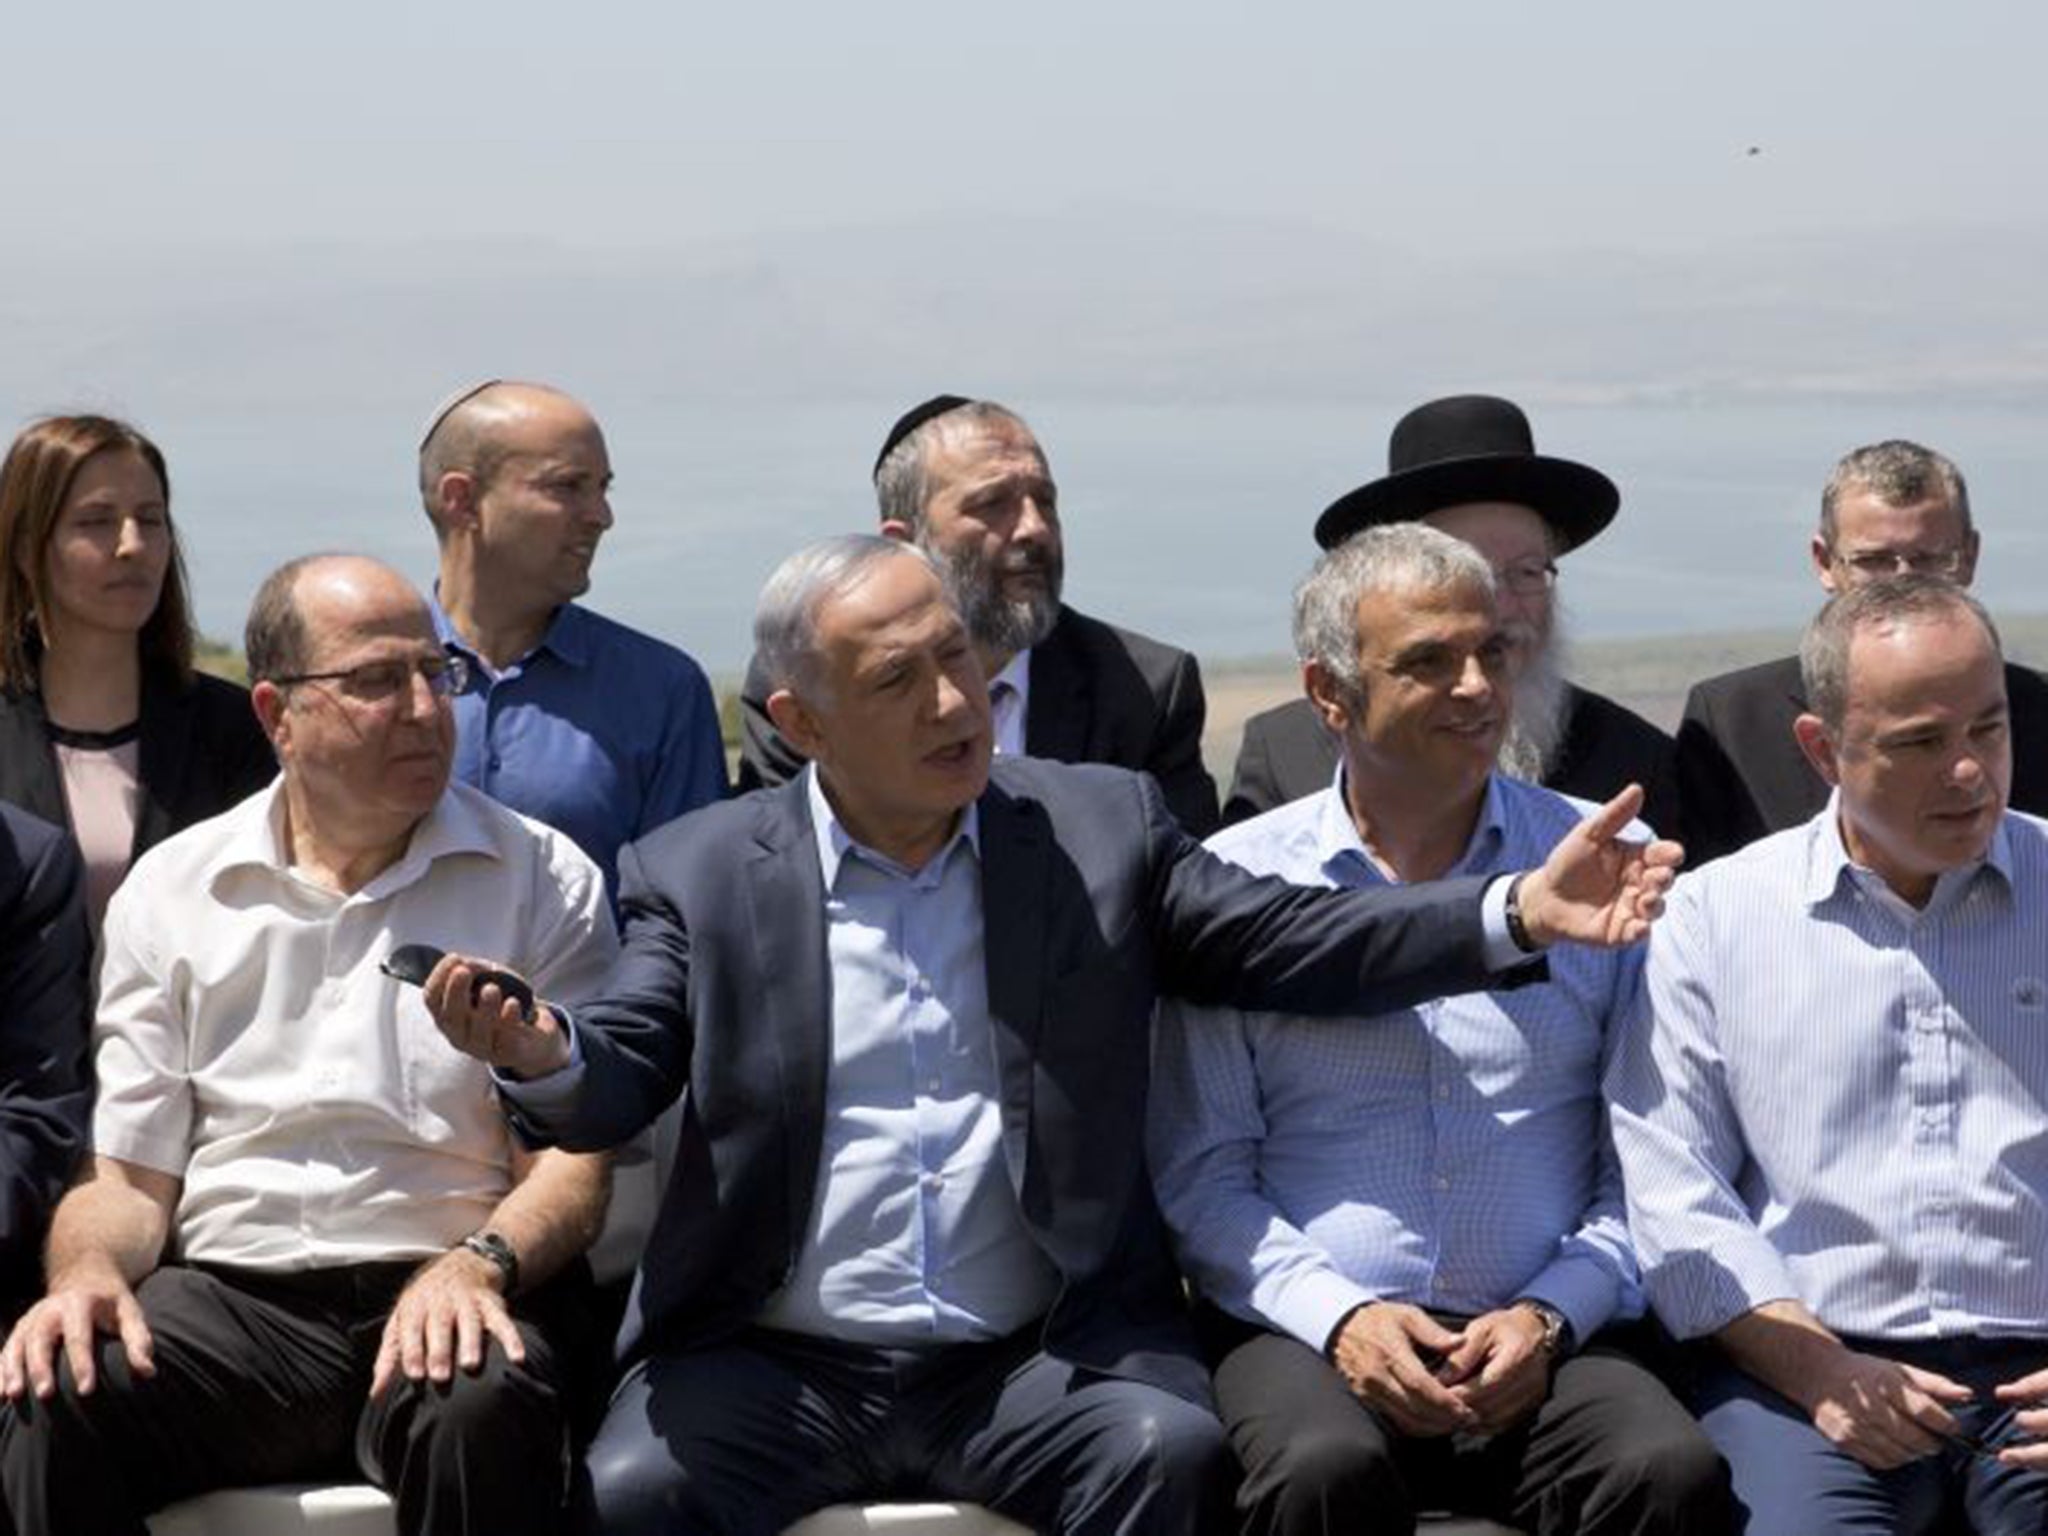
(1214, 251)
(1520, 125)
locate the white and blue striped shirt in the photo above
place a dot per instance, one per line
(1832, 1097)
(1451, 1155)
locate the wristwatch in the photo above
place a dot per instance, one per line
(489, 1245)
(1558, 1337)
(1518, 931)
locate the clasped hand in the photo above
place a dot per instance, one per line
(1428, 1380)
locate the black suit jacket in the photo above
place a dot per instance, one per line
(1099, 694)
(201, 750)
(1286, 754)
(1741, 773)
(1094, 903)
(45, 1069)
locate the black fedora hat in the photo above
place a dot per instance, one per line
(1472, 448)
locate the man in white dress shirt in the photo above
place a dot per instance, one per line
(1831, 1115)
(306, 1245)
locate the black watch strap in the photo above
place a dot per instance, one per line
(490, 1245)
(1518, 931)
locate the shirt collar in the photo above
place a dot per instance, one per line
(1017, 673)
(567, 637)
(1828, 863)
(835, 842)
(1341, 855)
(454, 826)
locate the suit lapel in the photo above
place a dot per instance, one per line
(1062, 701)
(28, 763)
(1016, 846)
(785, 895)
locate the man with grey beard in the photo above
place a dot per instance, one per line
(967, 482)
(1468, 465)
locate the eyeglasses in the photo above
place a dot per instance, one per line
(1876, 564)
(1527, 578)
(379, 682)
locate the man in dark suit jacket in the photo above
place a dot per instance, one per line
(1887, 507)
(904, 962)
(45, 1075)
(1468, 465)
(968, 482)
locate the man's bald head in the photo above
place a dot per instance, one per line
(278, 639)
(473, 435)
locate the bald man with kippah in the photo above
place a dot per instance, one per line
(596, 729)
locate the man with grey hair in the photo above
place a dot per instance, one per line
(1408, 1228)
(1829, 1112)
(1467, 465)
(906, 1001)
(966, 481)
(1888, 507)
(569, 717)
(304, 1245)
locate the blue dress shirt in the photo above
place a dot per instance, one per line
(915, 1236)
(1453, 1155)
(1830, 1096)
(600, 731)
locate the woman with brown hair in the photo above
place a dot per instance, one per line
(104, 725)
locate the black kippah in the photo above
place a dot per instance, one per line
(914, 418)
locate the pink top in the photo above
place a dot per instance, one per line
(101, 791)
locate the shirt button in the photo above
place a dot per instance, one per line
(932, 1086)
(1443, 1090)
(492, 763)
(1443, 1182)
(934, 1182)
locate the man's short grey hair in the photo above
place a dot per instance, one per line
(1397, 557)
(1880, 605)
(902, 484)
(1897, 473)
(786, 615)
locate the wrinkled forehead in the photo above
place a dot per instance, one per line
(358, 612)
(976, 451)
(1939, 665)
(1864, 520)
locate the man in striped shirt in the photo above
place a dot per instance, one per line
(1830, 1112)
(1409, 1227)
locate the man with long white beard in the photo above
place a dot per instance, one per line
(967, 482)
(1468, 465)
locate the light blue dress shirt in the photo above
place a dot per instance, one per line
(915, 1236)
(1833, 1097)
(600, 731)
(1453, 1155)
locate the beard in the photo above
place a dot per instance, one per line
(999, 625)
(1542, 706)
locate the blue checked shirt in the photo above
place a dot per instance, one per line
(1453, 1155)
(1832, 1097)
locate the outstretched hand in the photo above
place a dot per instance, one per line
(1596, 888)
(484, 1022)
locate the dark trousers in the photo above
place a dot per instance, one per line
(265, 1378)
(750, 1435)
(1609, 1451)
(1790, 1480)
